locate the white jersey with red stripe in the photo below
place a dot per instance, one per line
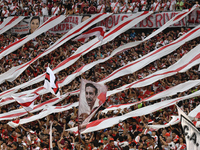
(143, 4)
(55, 10)
(171, 5)
(129, 9)
(122, 9)
(156, 6)
(5, 13)
(100, 8)
(135, 6)
(115, 6)
(164, 5)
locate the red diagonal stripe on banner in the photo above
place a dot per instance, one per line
(49, 20)
(95, 123)
(14, 115)
(7, 47)
(176, 70)
(158, 50)
(78, 30)
(10, 22)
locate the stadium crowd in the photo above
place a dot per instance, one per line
(49, 7)
(132, 133)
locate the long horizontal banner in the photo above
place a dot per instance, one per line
(10, 22)
(84, 49)
(22, 112)
(109, 122)
(51, 22)
(168, 92)
(153, 21)
(47, 110)
(14, 72)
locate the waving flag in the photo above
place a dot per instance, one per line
(192, 135)
(97, 31)
(92, 96)
(50, 82)
(26, 102)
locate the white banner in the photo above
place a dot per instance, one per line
(45, 112)
(109, 122)
(173, 121)
(10, 22)
(14, 72)
(66, 25)
(192, 135)
(84, 49)
(195, 113)
(35, 31)
(22, 112)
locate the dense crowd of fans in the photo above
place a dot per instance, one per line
(132, 133)
(49, 7)
(129, 134)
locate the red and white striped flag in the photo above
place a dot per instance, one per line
(97, 31)
(26, 102)
(50, 82)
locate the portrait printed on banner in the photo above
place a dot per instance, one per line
(92, 95)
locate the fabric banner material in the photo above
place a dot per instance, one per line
(195, 113)
(26, 102)
(168, 92)
(92, 96)
(173, 121)
(192, 135)
(152, 56)
(186, 62)
(45, 112)
(97, 31)
(14, 72)
(50, 82)
(10, 22)
(41, 29)
(109, 122)
(21, 112)
(120, 28)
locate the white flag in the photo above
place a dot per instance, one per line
(192, 135)
(50, 82)
(27, 102)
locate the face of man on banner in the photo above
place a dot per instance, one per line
(90, 94)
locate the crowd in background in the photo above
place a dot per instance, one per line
(59, 7)
(132, 133)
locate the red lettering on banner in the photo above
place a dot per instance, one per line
(71, 26)
(76, 22)
(178, 23)
(123, 17)
(110, 22)
(103, 22)
(59, 27)
(158, 20)
(191, 19)
(67, 26)
(198, 16)
(73, 20)
(63, 26)
(142, 24)
(149, 20)
(116, 22)
(163, 18)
